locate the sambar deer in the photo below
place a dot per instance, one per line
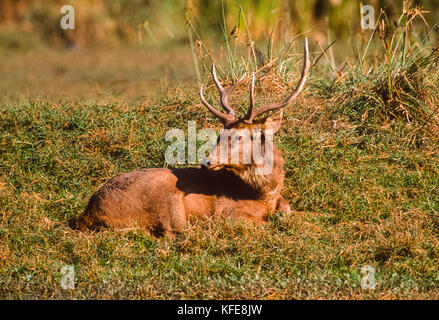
(163, 200)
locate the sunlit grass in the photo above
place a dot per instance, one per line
(364, 185)
(367, 200)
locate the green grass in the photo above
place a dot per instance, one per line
(369, 201)
(362, 175)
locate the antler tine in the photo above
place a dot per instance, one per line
(223, 117)
(215, 80)
(225, 92)
(249, 113)
(293, 95)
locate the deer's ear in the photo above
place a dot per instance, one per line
(273, 122)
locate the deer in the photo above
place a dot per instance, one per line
(165, 200)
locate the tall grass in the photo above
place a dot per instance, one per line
(115, 22)
(397, 83)
(390, 79)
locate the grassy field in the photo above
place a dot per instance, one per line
(370, 200)
(362, 175)
(97, 74)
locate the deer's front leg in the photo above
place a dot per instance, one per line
(283, 205)
(247, 210)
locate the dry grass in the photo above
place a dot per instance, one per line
(364, 184)
(363, 201)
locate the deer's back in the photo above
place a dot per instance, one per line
(143, 198)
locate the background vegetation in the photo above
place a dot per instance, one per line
(361, 147)
(108, 22)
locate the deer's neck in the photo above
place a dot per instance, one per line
(268, 185)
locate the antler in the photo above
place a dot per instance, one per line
(251, 114)
(229, 119)
(225, 93)
(226, 119)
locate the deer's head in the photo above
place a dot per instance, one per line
(246, 142)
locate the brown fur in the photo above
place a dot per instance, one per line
(163, 200)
